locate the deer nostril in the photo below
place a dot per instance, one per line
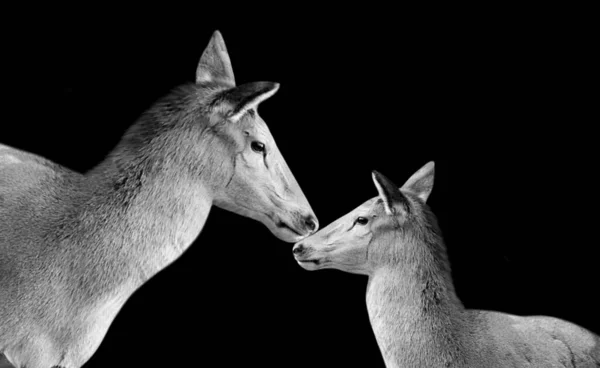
(298, 249)
(311, 223)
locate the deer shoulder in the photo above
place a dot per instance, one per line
(21, 172)
(29, 186)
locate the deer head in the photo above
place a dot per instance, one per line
(373, 234)
(257, 182)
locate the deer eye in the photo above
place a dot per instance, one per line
(257, 147)
(362, 220)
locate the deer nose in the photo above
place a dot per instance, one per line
(311, 223)
(298, 249)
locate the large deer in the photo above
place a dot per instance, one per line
(418, 320)
(73, 248)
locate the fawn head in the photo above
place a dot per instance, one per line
(368, 237)
(258, 182)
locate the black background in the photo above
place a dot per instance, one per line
(502, 104)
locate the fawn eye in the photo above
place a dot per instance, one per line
(257, 147)
(362, 220)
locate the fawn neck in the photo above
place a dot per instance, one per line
(414, 311)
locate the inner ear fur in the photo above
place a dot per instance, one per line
(421, 182)
(235, 102)
(389, 193)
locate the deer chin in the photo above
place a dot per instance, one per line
(281, 228)
(287, 233)
(284, 230)
(311, 264)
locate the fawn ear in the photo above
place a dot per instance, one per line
(388, 192)
(214, 65)
(239, 100)
(421, 182)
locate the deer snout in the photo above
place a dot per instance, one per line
(303, 252)
(306, 257)
(304, 223)
(298, 250)
(311, 223)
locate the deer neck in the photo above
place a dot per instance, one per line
(143, 208)
(416, 316)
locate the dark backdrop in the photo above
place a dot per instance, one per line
(503, 106)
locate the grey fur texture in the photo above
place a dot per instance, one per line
(415, 313)
(73, 247)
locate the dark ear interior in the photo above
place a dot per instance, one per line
(246, 96)
(388, 192)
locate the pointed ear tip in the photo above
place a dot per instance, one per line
(269, 87)
(217, 40)
(379, 178)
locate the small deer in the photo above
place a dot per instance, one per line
(416, 316)
(73, 247)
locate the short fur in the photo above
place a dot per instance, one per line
(415, 313)
(73, 248)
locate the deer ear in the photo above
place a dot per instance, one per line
(239, 100)
(214, 65)
(421, 183)
(388, 192)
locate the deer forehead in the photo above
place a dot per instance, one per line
(256, 125)
(363, 210)
(368, 206)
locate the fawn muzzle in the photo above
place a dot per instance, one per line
(298, 250)
(305, 256)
